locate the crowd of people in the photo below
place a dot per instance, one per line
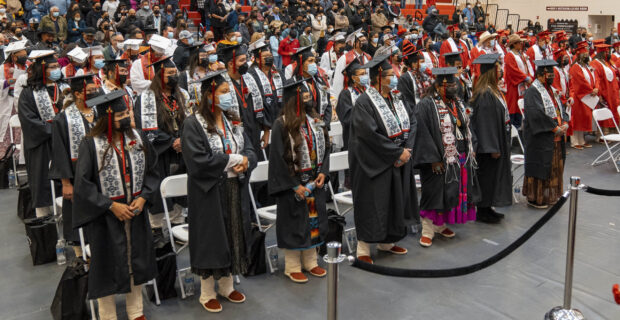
(120, 95)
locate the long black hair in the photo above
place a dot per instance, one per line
(164, 119)
(208, 88)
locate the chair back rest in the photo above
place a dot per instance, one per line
(339, 161)
(335, 129)
(521, 105)
(14, 121)
(260, 173)
(602, 114)
(174, 186)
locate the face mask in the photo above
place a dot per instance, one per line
(590, 39)
(239, 39)
(243, 69)
(340, 50)
(213, 58)
(77, 19)
(364, 46)
(364, 80)
(423, 67)
(190, 41)
(312, 69)
(124, 124)
(549, 80)
(156, 11)
(55, 74)
(172, 81)
(269, 61)
(493, 43)
(99, 63)
(122, 78)
(544, 47)
(225, 101)
(56, 14)
(330, 30)
(308, 105)
(2, 10)
(375, 40)
(564, 62)
(583, 35)
(145, 7)
(133, 57)
(170, 35)
(22, 60)
(530, 34)
(451, 92)
(393, 82)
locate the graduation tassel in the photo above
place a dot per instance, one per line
(234, 62)
(162, 77)
(117, 78)
(109, 111)
(43, 66)
(298, 99)
(345, 82)
(213, 96)
(380, 87)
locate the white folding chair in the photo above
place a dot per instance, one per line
(13, 124)
(261, 174)
(335, 129)
(172, 187)
(338, 162)
(614, 138)
(521, 105)
(517, 160)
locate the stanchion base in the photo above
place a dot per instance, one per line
(559, 313)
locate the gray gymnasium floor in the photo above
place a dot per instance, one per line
(524, 285)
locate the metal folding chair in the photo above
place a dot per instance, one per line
(517, 160)
(13, 124)
(261, 174)
(614, 138)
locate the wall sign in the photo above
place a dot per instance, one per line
(567, 8)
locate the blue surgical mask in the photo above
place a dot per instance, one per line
(423, 67)
(239, 39)
(99, 63)
(212, 58)
(530, 34)
(365, 80)
(170, 35)
(393, 82)
(55, 74)
(225, 101)
(145, 7)
(493, 43)
(312, 69)
(544, 47)
(190, 41)
(56, 14)
(375, 40)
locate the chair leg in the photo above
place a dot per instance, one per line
(156, 291)
(181, 284)
(237, 279)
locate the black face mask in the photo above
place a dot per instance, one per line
(173, 81)
(49, 42)
(243, 69)
(122, 78)
(204, 63)
(92, 95)
(364, 46)
(269, 61)
(340, 50)
(22, 60)
(156, 11)
(308, 105)
(18, 34)
(124, 124)
(457, 35)
(585, 59)
(549, 80)
(133, 57)
(583, 35)
(451, 92)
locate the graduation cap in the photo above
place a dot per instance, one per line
(546, 64)
(602, 47)
(487, 61)
(165, 62)
(301, 55)
(257, 45)
(46, 30)
(598, 41)
(385, 27)
(78, 55)
(227, 52)
(445, 74)
(452, 57)
(338, 37)
(159, 43)
(377, 65)
(354, 35)
(208, 48)
(15, 47)
(616, 45)
(133, 44)
(454, 27)
(543, 34)
(148, 31)
(213, 79)
(93, 51)
(195, 48)
(294, 89)
(42, 56)
(78, 83)
(116, 62)
(107, 104)
(582, 47)
(349, 70)
(557, 54)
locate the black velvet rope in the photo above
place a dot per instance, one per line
(602, 192)
(460, 271)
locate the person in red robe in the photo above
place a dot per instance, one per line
(538, 51)
(516, 77)
(607, 76)
(288, 46)
(582, 83)
(486, 45)
(452, 44)
(615, 56)
(560, 80)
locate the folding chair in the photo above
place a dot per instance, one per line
(338, 162)
(517, 160)
(260, 174)
(335, 133)
(602, 115)
(521, 105)
(13, 124)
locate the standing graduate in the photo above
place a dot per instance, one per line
(607, 76)
(446, 160)
(582, 83)
(115, 179)
(517, 77)
(358, 80)
(453, 59)
(490, 122)
(218, 154)
(39, 102)
(68, 129)
(380, 147)
(298, 171)
(159, 112)
(197, 68)
(116, 75)
(414, 82)
(247, 100)
(544, 131)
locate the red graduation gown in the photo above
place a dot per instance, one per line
(513, 76)
(608, 90)
(581, 114)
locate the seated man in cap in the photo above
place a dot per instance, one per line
(181, 53)
(381, 144)
(88, 38)
(113, 218)
(55, 22)
(445, 158)
(141, 73)
(544, 130)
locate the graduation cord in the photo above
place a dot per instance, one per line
(460, 271)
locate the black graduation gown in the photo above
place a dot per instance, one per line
(64, 168)
(492, 136)
(166, 155)
(209, 248)
(271, 103)
(253, 122)
(109, 269)
(344, 108)
(292, 221)
(436, 193)
(37, 136)
(384, 197)
(405, 86)
(538, 137)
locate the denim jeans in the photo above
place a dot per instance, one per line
(418, 4)
(277, 62)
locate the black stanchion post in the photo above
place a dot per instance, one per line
(333, 258)
(565, 312)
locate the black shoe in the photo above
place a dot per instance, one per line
(483, 215)
(496, 214)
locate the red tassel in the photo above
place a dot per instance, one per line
(234, 63)
(345, 82)
(109, 124)
(212, 96)
(43, 66)
(298, 100)
(117, 78)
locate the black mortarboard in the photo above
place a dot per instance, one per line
(112, 102)
(163, 63)
(452, 57)
(116, 62)
(304, 53)
(487, 61)
(195, 47)
(445, 74)
(386, 27)
(226, 52)
(148, 31)
(213, 80)
(379, 62)
(229, 29)
(78, 83)
(545, 63)
(352, 66)
(293, 90)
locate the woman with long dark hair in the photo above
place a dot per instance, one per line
(490, 123)
(159, 113)
(218, 154)
(115, 179)
(68, 129)
(298, 171)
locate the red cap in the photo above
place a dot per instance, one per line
(558, 53)
(598, 41)
(616, 45)
(602, 47)
(408, 48)
(520, 32)
(454, 27)
(582, 47)
(478, 34)
(561, 37)
(401, 30)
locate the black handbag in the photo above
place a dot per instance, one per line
(42, 237)
(258, 263)
(6, 164)
(335, 224)
(70, 299)
(166, 277)
(25, 209)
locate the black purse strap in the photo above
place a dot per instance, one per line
(9, 152)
